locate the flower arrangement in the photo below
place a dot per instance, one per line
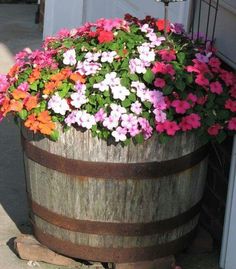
(122, 80)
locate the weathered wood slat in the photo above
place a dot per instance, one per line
(112, 200)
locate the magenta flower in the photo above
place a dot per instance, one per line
(180, 106)
(171, 127)
(159, 83)
(232, 124)
(214, 129)
(216, 87)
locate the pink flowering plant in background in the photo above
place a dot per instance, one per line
(123, 80)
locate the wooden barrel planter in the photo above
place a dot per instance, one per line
(108, 203)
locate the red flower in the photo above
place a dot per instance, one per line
(161, 25)
(105, 37)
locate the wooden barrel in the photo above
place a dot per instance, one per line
(108, 203)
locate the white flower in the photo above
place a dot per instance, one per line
(108, 56)
(101, 86)
(117, 110)
(137, 66)
(58, 105)
(87, 120)
(111, 122)
(78, 99)
(69, 57)
(112, 80)
(120, 92)
(119, 134)
(146, 54)
(92, 57)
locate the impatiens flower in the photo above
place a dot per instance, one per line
(167, 55)
(145, 28)
(146, 127)
(228, 77)
(180, 106)
(233, 91)
(112, 80)
(214, 129)
(136, 108)
(81, 88)
(120, 92)
(88, 68)
(137, 66)
(201, 80)
(69, 57)
(161, 24)
(119, 134)
(159, 83)
(117, 110)
(232, 124)
(92, 57)
(231, 105)
(78, 99)
(86, 120)
(71, 118)
(105, 37)
(216, 87)
(58, 105)
(146, 55)
(101, 86)
(190, 122)
(160, 116)
(108, 56)
(177, 28)
(31, 102)
(215, 64)
(24, 86)
(192, 98)
(100, 115)
(202, 58)
(128, 121)
(171, 127)
(111, 122)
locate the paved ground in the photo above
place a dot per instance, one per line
(18, 30)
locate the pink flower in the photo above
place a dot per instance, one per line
(228, 77)
(216, 87)
(180, 106)
(24, 86)
(160, 116)
(231, 105)
(146, 127)
(71, 118)
(167, 55)
(214, 129)
(159, 67)
(134, 130)
(100, 115)
(105, 36)
(119, 134)
(201, 80)
(215, 64)
(159, 83)
(160, 128)
(202, 100)
(136, 108)
(232, 124)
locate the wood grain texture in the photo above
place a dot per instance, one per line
(107, 200)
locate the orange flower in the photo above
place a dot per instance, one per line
(77, 77)
(32, 123)
(44, 117)
(13, 70)
(5, 107)
(31, 102)
(50, 87)
(47, 128)
(19, 94)
(62, 75)
(34, 75)
(16, 106)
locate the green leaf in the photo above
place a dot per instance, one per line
(181, 57)
(221, 137)
(23, 114)
(34, 86)
(139, 138)
(132, 97)
(149, 76)
(163, 138)
(133, 77)
(126, 103)
(223, 114)
(106, 93)
(147, 104)
(68, 44)
(180, 85)
(54, 136)
(168, 89)
(125, 82)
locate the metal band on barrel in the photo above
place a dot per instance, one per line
(112, 228)
(105, 170)
(117, 255)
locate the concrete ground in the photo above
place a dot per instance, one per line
(17, 31)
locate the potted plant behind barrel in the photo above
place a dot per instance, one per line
(115, 120)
